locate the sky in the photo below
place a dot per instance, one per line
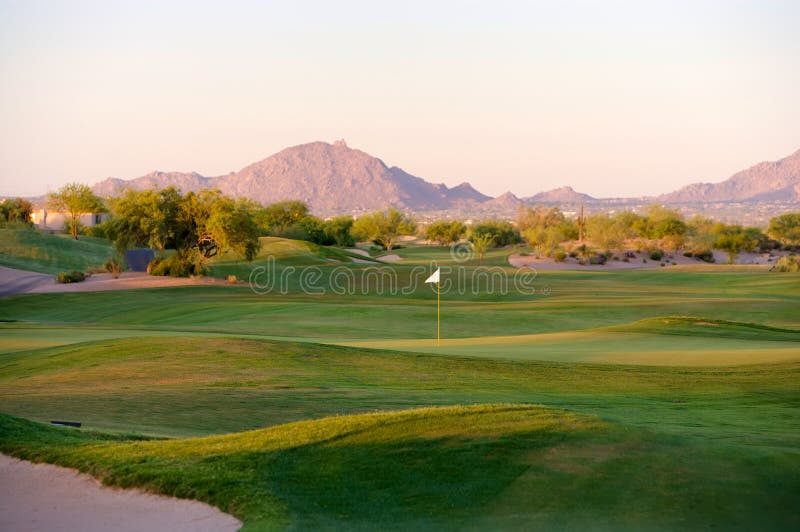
(615, 98)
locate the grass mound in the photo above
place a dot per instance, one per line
(693, 326)
(424, 467)
(285, 252)
(27, 249)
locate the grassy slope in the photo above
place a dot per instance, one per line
(285, 252)
(484, 467)
(46, 253)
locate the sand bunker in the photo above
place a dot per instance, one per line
(47, 497)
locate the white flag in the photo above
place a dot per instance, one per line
(434, 278)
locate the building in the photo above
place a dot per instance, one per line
(57, 221)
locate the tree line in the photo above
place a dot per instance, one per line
(201, 225)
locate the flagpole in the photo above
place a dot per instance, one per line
(438, 315)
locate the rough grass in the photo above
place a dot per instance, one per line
(31, 250)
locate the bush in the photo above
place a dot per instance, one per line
(573, 254)
(181, 264)
(232, 279)
(706, 255)
(687, 254)
(560, 256)
(113, 267)
(656, 254)
(789, 263)
(74, 277)
(597, 259)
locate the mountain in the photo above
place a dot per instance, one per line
(559, 195)
(186, 182)
(505, 202)
(336, 179)
(330, 178)
(766, 181)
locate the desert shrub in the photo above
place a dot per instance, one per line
(788, 263)
(662, 264)
(113, 266)
(72, 277)
(625, 259)
(687, 254)
(181, 264)
(597, 259)
(706, 255)
(560, 256)
(656, 254)
(232, 279)
(573, 254)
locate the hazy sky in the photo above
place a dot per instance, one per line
(613, 98)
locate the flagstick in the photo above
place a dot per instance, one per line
(438, 315)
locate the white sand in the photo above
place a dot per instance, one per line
(45, 497)
(358, 251)
(721, 258)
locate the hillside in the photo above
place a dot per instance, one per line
(766, 181)
(45, 253)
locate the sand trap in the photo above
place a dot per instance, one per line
(721, 258)
(390, 258)
(358, 251)
(46, 497)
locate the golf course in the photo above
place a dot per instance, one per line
(312, 394)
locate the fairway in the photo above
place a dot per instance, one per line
(657, 399)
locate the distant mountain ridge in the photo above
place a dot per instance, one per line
(336, 179)
(766, 181)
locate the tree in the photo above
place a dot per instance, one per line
(76, 200)
(339, 229)
(277, 217)
(16, 210)
(384, 227)
(198, 225)
(733, 239)
(503, 233)
(446, 232)
(786, 228)
(606, 232)
(481, 242)
(701, 236)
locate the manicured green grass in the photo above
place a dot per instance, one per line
(42, 252)
(484, 467)
(703, 432)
